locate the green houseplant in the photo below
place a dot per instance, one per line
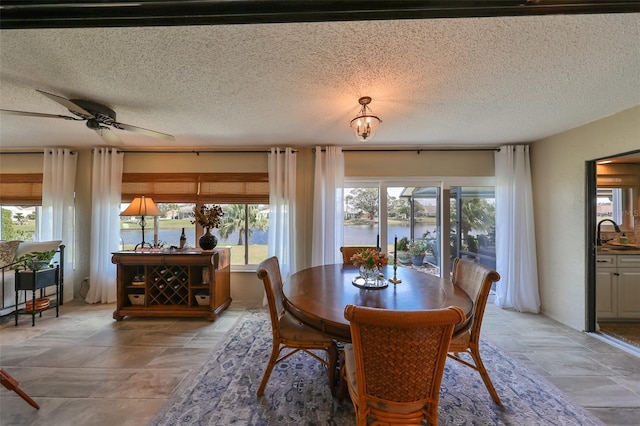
(34, 261)
(417, 250)
(402, 253)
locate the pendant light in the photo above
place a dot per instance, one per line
(365, 124)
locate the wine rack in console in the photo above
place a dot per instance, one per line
(181, 284)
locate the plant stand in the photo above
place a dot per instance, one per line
(37, 280)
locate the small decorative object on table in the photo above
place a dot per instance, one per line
(395, 279)
(183, 239)
(370, 261)
(208, 217)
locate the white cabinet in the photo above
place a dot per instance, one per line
(618, 286)
(606, 289)
(628, 286)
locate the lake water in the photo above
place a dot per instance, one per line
(171, 237)
(367, 235)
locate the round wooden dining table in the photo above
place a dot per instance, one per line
(317, 296)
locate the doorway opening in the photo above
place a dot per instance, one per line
(613, 249)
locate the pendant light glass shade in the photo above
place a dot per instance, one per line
(365, 124)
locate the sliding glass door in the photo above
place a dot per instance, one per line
(472, 234)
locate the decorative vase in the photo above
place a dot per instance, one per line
(417, 260)
(370, 274)
(208, 241)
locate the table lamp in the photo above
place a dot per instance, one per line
(142, 206)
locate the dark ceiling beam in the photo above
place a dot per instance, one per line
(25, 14)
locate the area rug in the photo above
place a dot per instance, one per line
(223, 391)
(625, 331)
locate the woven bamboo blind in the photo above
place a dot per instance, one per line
(21, 189)
(224, 188)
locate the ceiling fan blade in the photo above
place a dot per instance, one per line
(108, 136)
(67, 104)
(147, 132)
(38, 114)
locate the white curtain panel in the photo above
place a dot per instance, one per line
(515, 232)
(57, 218)
(282, 208)
(106, 185)
(328, 209)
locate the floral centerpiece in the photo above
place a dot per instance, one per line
(208, 217)
(369, 260)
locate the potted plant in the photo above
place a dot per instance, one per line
(417, 250)
(34, 261)
(403, 250)
(208, 217)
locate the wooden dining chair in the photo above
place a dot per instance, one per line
(476, 280)
(12, 384)
(289, 334)
(394, 365)
(348, 251)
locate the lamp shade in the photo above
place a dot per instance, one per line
(142, 206)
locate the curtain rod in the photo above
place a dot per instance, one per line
(23, 153)
(418, 150)
(48, 151)
(199, 151)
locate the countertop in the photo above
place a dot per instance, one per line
(619, 249)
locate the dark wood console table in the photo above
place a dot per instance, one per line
(191, 283)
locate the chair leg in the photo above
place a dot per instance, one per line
(11, 384)
(332, 352)
(475, 354)
(267, 373)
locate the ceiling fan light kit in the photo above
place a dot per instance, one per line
(97, 117)
(365, 124)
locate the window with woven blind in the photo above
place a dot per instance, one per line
(244, 197)
(250, 188)
(23, 189)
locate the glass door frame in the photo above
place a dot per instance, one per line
(417, 183)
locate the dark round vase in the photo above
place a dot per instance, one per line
(208, 241)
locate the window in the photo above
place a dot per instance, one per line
(411, 210)
(361, 207)
(473, 224)
(20, 199)
(19, 222)
(243, 197)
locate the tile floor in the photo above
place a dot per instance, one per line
(84, 368)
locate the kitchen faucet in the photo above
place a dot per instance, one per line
(615, 226)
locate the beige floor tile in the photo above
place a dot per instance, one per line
(84, 368)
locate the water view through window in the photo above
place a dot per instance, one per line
(244, 228)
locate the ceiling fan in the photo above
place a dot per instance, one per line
(97, 116)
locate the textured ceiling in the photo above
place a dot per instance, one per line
(441, 82)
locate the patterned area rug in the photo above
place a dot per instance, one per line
(223, 391)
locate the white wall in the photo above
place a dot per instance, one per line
(559, 197)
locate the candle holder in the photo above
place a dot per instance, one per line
(395, 279)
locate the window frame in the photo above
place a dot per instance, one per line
(199, 189)
(443, 182)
